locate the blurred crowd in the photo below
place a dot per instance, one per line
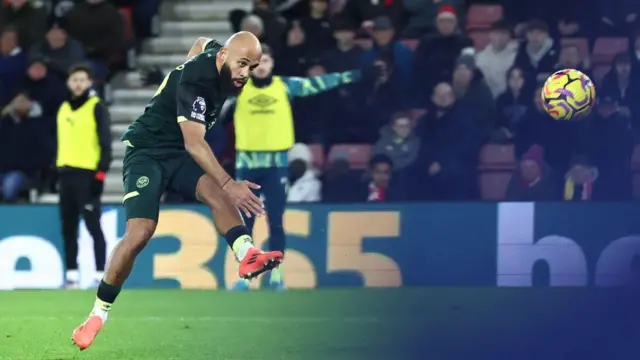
(456, 114)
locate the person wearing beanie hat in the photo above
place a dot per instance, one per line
(473, 92)
(532, 180)
(423, 15)
(436, 54)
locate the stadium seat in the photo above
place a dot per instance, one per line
(411, 43)
(317, 155)
(606, 48)
(599, 72)
(358, 154)
(497, 163)
(480, 17)
(581, 43)
(127, 19)
(480, 39)
(497, 157)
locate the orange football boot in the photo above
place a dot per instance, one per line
(256, 262)
(84, 334)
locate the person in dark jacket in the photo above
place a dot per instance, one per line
(45, 87)
(539, 54)
(436, 54)
(29, 21)
(98, 26)
(13, 63)
(532, 181)
(364, 12)
(512, 105)
(473, 93)
(446, 163)
(58, 51)
(316, 26)
(622, 85)
(25, 135)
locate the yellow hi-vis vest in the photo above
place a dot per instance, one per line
(263, 119)
(78, 141)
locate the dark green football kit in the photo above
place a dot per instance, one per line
(155, 159)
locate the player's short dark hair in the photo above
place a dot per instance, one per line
(380, 159)
(537, 24)
(501, 25)
(81, 68)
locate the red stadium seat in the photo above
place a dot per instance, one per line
(497, 163)
(599, 72)
(581, 43)
(127, 19)
(480, 17)
(480, 39)
(605, 49)
(411, 43)
(358, 155)
(497, 157)
(317, 155)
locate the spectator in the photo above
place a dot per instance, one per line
(512, 104)
(364, 12)
(496, 59)
(29, 21)
(610, 148)
(623, 86)
(58, 51)
(473, 93)
(532, 181)
(571, 23)
(395, 87)
(539, 56)
(274, 26)
(380, 173)
(47, 89)
(345, 55)
(560, 139)
(436, 54)
(144, 16)
(305, 186)
(580, 180)
(446, 162)
(398, 142)
(293, 58)
(341, 184)
(98, 25)
(22, 135)
(422, 13)
(253, 24)
(570, 58)
(617, 17)
(317, 27)
(13, 64)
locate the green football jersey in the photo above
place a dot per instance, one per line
(190, 92)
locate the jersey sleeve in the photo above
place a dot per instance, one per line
(195, 91)
(301, 87)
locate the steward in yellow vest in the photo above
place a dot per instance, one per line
(83, 159)
(264, 130)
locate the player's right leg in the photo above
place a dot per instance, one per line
(144, 184)
(254, 176)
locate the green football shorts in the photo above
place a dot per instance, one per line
(148, 173)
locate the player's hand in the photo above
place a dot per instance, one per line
(244, 198)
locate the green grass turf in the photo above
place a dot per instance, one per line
(445, 323)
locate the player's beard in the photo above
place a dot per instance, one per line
(228, 86)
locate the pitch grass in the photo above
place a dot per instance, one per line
(418, 323)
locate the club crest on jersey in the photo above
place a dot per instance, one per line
(199, 109)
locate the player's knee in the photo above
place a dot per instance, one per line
(139, 232)
(210, 193)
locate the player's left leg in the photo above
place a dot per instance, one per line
(274, 185)
(190, 180)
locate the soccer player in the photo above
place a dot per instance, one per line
(166, 149)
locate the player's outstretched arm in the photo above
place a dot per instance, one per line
(198, 47)
(309, 86)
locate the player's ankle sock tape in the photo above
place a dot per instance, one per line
(108, 293)
(239, 232)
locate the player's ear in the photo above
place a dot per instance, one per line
(222, 54)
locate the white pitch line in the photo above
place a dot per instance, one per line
(115, 317)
